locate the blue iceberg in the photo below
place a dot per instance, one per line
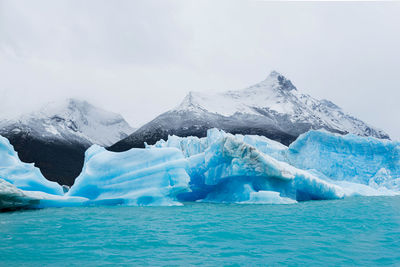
(134, 177)
(12, 198)
(363, 160)
(220, 168)
(22, 185)
(22, 175)
(231, 170)
(318, 165)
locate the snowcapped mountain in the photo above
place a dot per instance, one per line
(56, 136)
(71, 121)
(273, 108)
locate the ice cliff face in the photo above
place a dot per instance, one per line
(273, 108)
(318, 165)
(349, 158)
(56, 136)
(23, 175)
(220, 167)
(135, 177)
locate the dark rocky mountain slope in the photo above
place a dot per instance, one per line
(273, 108)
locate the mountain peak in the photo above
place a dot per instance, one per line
(281, 81)
(75, 102)
(65, 106)
(74, 119)
(274, 74)
(60, 132)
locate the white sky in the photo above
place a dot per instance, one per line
(140, 58)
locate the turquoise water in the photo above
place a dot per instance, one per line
(354, 231)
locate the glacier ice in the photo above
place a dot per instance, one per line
(363, 160)
(318, 165)
(134, 177)
(12, 198)
(24, 176)
(266, 197)
(221, 168)
(233, 171)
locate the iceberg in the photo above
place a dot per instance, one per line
(12, 198)
(22, 185)
(219, 168)
(24, 176)
(318, 165)
(351, 158)
(233, 171)
(134, 177)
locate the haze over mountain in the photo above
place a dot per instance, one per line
(56, 136)
(123, 60)
(273, 108)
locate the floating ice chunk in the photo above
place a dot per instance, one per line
(13, 198)
(267, 197)
(363, 160)
(349, 157)
(23, 175)
(134, 177)
(221, 168)
(233, 171)
(319, 165)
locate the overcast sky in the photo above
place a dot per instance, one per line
(140, 58)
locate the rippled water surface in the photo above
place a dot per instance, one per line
(354, 231)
